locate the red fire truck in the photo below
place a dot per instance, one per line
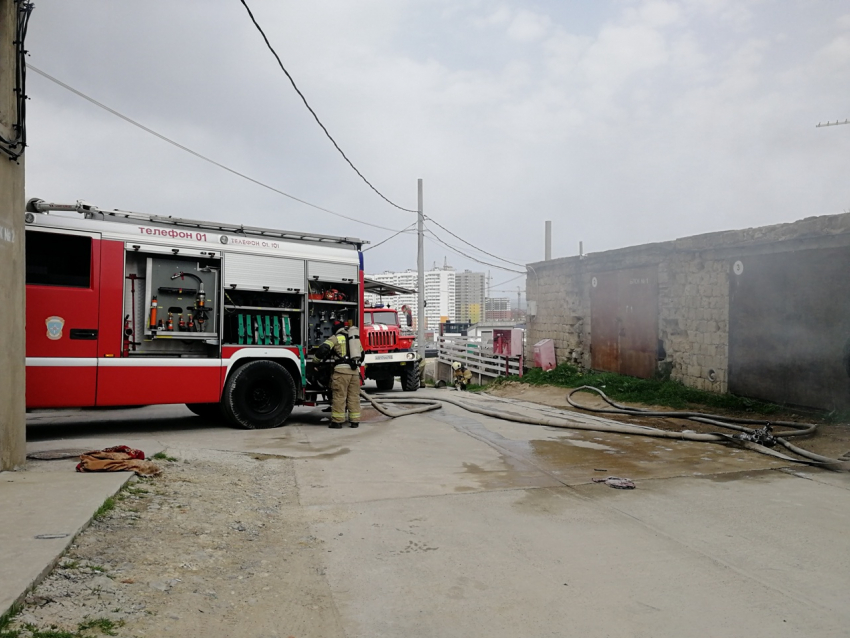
(387, 350)
(387, 346)
(131, 309)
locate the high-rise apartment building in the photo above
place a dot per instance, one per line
(497, 309)
(439, 294)
(470, 291)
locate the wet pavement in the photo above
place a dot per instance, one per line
(574, 457)
(454, 524)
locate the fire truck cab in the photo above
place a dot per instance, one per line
(128, 309)
(387, 346)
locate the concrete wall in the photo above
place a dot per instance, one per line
(12, 362)
(693, 293)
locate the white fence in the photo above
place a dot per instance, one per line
(477, 357)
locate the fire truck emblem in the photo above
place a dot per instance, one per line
(54, 327)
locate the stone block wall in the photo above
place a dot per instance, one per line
(559, 288)
(693, 294)
(693, 320)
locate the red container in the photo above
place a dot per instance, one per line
(544, 354)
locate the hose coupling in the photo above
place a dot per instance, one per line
(762, 436)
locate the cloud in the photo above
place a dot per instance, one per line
(660, 14)
(527, 26)
(623, 121)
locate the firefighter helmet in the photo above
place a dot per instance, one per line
(456, 365)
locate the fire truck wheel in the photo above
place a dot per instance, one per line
(211, 411)
(410, 378)
(385, 385)
(260, 394)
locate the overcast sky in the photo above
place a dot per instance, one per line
(622, 121)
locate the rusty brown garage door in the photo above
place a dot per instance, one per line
(624, 321)
(789, 327)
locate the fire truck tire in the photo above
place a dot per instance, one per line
(260, 394)
(410, 378)
(385, 385)
(211, 411)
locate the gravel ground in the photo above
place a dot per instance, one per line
(216, 546)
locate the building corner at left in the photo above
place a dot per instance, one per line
(13, 17)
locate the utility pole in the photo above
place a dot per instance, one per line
(487, 296)
(420, 262)
(14, 16)
(516, 314)
(547, 252)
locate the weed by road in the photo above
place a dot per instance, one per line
(658, 392)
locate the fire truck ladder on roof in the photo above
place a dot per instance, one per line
(93, 212)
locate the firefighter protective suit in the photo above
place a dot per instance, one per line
(345, 381)
(461, 376)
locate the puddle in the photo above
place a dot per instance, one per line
(729, 477)
(56, 455)
(589, 444)
(513, 473)
(578, 459)
(325, 455)
(542, 502)
(574, 459)
(329, 455)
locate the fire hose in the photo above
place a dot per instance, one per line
(379, 404)
(758, 440)
(761, 439)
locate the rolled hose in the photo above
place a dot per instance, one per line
(639, 430)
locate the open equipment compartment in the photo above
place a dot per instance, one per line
(263, 300)
(177, 309)
(333, 294)
(262, 318)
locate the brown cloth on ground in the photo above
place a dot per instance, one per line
(117, 459)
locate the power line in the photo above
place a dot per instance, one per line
(468, 256)
(508, 261)
(316, 117)
(195, 153)
(510, 280)
(272, 188)
(437, 242)
(15, 145)
(403, 230)
(463, 254)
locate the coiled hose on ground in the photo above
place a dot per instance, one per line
(763, 437)
(760, 440)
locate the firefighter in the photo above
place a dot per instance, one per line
(462, 376)
(345, 351)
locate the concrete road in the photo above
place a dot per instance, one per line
(452, 524)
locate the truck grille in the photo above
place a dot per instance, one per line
(382, 339)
